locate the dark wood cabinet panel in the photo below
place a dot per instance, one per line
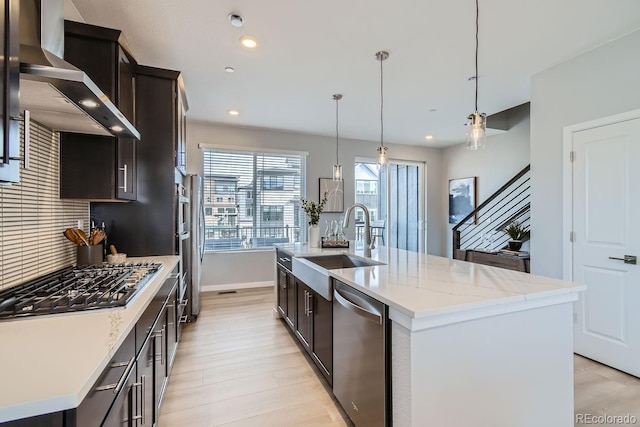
(10, 89)
(143, 392)
(148, 226)
(291, 301)
(308, 314)
(96, 167)
(323, 335)
(303, 313)
(104, 55)
(283, 285)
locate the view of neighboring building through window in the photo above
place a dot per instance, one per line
(367, 179)
(252, 199)
(400, 183)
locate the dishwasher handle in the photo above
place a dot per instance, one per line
(370, 314)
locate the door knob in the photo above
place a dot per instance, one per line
(628, 259)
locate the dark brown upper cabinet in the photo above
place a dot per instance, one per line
(9, 90)
(162, 111)
(94, 167)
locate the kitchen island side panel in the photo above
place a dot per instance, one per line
(512, 369)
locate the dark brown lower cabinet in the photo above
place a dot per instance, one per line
(304, 314)
(282, 290)
(286, 296)
(129, 391)
(314, 327)
(121, 413)
(160, 369)
(323, 335)
(143, 390)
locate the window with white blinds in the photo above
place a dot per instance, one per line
(252, 199)
(33, 216)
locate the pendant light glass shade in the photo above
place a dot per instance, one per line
(382, 156)
(382, 150)
(337, 172)
(337, 168)
(477, 132)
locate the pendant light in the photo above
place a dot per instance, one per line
(337, 168)
(477, 132)
(382, 150)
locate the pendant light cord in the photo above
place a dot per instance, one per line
(477, 13)
(337, 161)
(382, 103)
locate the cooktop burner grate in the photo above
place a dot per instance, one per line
(77, 289)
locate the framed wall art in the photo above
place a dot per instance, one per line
(335, 194)
(462, 199)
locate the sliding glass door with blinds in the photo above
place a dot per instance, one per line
(395, 198)
(252, 199)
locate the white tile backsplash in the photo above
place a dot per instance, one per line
(33, 217)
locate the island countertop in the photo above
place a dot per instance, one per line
(424, 291)
(50, 362)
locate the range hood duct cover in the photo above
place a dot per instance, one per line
(51, 88)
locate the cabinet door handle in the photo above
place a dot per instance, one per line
(143, 384)
(161, 336)
(306, 308)
(310, 303)
(27, 138)
(124, 169)
(117, 386)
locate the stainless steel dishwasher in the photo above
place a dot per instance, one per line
(360, 362)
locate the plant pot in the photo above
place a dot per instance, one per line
(314, 236)
(515, 245)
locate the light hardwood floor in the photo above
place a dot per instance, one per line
(238, 366)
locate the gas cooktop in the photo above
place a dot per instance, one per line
(77, 289)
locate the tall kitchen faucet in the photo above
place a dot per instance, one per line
(368, 244)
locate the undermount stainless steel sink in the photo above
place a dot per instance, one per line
(331, 262)
(314, 271)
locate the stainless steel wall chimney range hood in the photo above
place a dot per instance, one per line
(59, 95)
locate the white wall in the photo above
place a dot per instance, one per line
(71, 12)
(233, 268)
(504, 155)
(598, 83)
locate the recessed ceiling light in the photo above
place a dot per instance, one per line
(249, 42)
(117, 128)
(229, 69)
(234, 112)
(235, 19)
(89, 103)
(428, 137)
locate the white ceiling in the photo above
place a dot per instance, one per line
(310, 50)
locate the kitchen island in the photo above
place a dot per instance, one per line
(470, 344)
(50, 362)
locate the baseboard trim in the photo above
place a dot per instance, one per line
(233, 286)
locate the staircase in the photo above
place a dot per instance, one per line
(483, 228)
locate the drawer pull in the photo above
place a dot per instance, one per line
(143, 383)
(117, 386)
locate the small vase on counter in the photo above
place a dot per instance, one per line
(314, 236)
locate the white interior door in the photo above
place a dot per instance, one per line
(606, 225)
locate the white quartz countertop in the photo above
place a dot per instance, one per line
(425, 291)
(48, 363)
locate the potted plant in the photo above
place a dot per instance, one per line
(517, 234)
(313, 211)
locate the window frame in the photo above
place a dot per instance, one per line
(289, 219)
